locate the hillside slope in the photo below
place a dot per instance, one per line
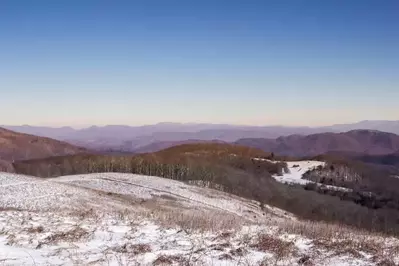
(125, 219)
(391, 159)
(17, 146)
(242, 171)
(161, 145)
(369, 142)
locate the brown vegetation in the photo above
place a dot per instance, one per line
(225, 167)
(134, 249)
(368, 186)
(268, 243)
(17, 146)
(6, 166)
(71, 235)
(357, 141)
(170, 259)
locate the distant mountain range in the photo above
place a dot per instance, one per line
(369, 146)
(153, 137)
(210, 131)
(366, 142)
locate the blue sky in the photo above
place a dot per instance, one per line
(138, 62)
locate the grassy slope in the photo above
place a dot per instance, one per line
(225, 167)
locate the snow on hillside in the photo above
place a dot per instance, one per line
(296, 170)
(126, 219)
(95, 190)
(52, 239)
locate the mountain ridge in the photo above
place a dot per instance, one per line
(135, 138)
(19, 146)
(369, 142)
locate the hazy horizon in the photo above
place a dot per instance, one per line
(77, 127)
(291, 63)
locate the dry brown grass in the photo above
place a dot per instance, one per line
(386, 262)
(238, 252)
(35, 230)
(198, 220)
(268, 243)
(171, 259)
(6, 209)
(339, 240)
(346, 247)
(220, 246)
(324, 230)
(134, 249)
(72, 235)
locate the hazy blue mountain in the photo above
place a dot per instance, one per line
(131, 138)
(367, 142)
(59, 133)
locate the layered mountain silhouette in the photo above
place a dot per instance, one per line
(367, 142)
(280, 139)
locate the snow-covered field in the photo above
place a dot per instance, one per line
(296, 170)
(126, 219)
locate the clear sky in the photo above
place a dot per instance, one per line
(290, 62)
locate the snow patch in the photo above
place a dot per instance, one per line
(296, 171)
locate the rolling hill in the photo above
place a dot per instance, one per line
(18, 146)
(253, 174)
(369, 142)
(226, 178)
(127, 219)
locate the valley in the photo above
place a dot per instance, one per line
(211, 203)
(199, 133)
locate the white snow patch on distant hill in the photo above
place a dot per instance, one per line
(296, 171)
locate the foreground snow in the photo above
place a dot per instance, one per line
(54, 239)
(110, 191)
(125, 219)
(30, 238)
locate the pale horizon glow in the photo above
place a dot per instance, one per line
(295, 63)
